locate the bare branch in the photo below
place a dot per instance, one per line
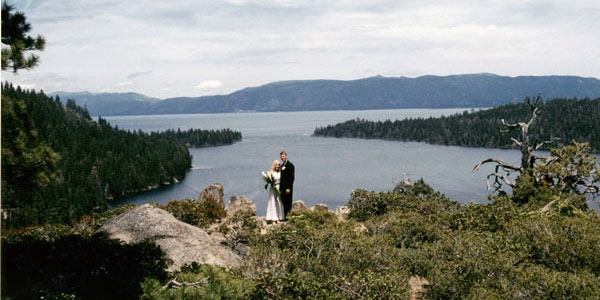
(176, 284)
(500, 162)
(510, 126)
(542, 144)
(516, 142)
(497, 177)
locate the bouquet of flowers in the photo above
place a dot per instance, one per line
(270, 180)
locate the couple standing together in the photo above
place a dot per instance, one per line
(278, 206)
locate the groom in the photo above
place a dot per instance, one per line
(286, 183)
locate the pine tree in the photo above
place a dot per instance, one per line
(15, 35)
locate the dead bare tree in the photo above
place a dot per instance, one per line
(176, 284)
(528, 157)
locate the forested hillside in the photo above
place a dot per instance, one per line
(566, 119)
(58, 164)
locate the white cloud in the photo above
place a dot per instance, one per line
(209, 84)
(124, 83)
(26, 86)
(90, 44)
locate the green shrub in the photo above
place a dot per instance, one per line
(537, 282)
(213, 283)
(406, 230)
(196, 213)
(187, 211)
(366, 204)
(316, 256)
(458, 261)
(477, 261)
(483, 217)
(566, 244)
(242, 227)
(527, 190)
(212, 210)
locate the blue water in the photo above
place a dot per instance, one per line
(327, 169)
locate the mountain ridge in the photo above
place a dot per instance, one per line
(376, 92)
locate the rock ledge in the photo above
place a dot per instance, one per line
(182, 242)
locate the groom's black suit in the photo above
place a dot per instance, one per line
(286, 182)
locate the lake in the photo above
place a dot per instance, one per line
(327, 169)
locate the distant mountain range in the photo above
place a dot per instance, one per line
(108, 104)
(471, 90)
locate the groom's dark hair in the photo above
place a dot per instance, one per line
(282, 152)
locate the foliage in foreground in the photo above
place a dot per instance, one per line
(78, 267)
(501, 250)
(212, 282)
(542, 242)
(18, 42)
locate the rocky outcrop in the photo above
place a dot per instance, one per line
(240, 203)
(342, 211)
(215, 191)
(181, 242)
(299, 204)
(406, 186)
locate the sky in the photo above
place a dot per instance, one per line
(193, 48)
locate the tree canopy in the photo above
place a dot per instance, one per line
(58, 164)
(15, 29)
(565, 119)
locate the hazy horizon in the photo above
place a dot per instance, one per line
(192, 48)
(224, 94)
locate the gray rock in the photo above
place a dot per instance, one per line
(298, 204)
(215, 191)
(342, 211)
(406, 186)
(181, 242)
(240, 203)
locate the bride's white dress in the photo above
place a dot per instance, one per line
(274, 206)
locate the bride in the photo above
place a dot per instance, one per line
(274, 206)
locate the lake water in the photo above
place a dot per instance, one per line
(327, 169)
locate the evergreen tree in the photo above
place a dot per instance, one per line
(565, 119)
(58, 164)
(15, 29)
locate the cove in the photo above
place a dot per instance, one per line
(327, 169)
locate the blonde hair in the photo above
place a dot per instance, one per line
(273, 169)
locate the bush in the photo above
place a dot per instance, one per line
(242, 227)
(317, 256)
(214, 283)
(537, 282)
(476, 262)
(84, 267)
(406, 230)
(196, 213)
(565, 244)
(483, 217)
(364, 204)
